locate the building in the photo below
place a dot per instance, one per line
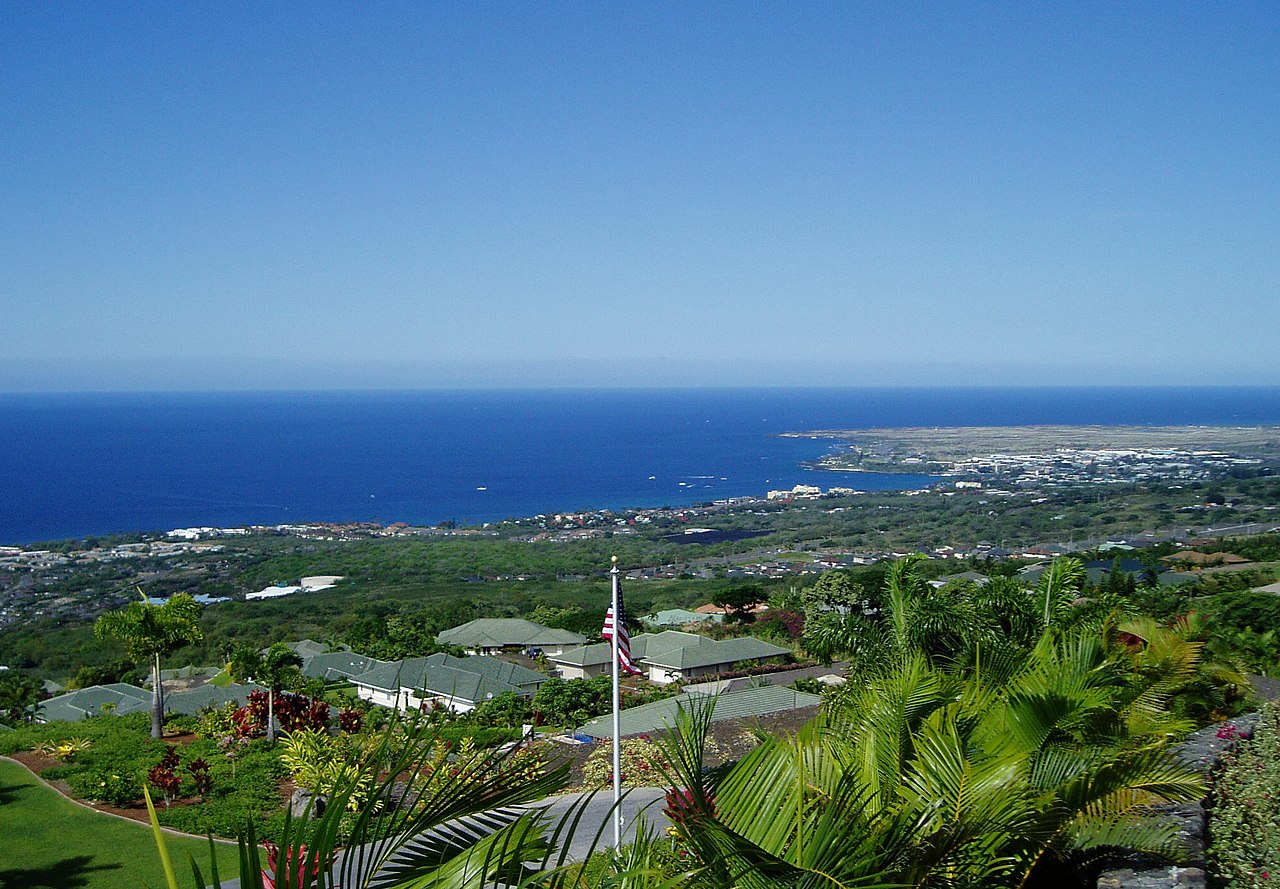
(459, 684)
(670, 656)
(490, 635)
(678, 617)
(334, 666)
(305, 585)
(121, 698)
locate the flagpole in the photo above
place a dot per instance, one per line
(617, 709)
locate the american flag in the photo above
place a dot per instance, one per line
(624, 638)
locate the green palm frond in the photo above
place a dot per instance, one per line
(466, 853)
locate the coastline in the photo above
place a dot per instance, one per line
(106, 464)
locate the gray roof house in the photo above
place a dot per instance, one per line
(306, 648)
(459, 684)
(487, 635)
(337, 665)
(118, 697)
(678, 617)
(670, 656)
(122, 698)
(661, 715)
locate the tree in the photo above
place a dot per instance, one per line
(927, 777)
(275, 668)
(20, 697)
(149, 632)
(834, 591)
(739, 599)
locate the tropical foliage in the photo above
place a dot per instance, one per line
(149, 632)
(1244, 823)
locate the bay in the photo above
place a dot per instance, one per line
(75, 465)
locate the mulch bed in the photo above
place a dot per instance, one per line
(37, 763)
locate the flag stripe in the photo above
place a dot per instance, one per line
(624, 638)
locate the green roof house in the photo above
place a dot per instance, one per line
(670, 656)
(118, 697)
(121, 698)
(337, 665)
(458, 683)
(488, 635)
(678, 617)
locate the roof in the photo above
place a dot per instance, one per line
(676, 650)
(712, 652)
(194, 700)
(123, 698)
(979, 579)
(469, 679)
(85, 702)
(337, 665)
(310, 648)
(676, 617)
(732, 705)
(1195, 557)
(499, 632)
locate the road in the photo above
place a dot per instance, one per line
(594, 830)
(596, 822)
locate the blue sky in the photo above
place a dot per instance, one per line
(237, 195)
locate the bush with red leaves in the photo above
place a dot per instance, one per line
(350, 721)
(164, 775)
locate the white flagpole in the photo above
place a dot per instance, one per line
(617, 723)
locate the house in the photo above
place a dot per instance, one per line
(489, 635)
(979, 579)
(305, 585)
(306, 648)
(457, 683)
(118, 697)
(121, 698)
(1198, 559)
(669, 656)
(661, 715)
(678, 617)
(333, 666)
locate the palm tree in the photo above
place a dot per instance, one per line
(997, 776)
(149, 632)
(274, 668)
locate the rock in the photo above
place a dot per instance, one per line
(304, 803)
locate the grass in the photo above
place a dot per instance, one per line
(50, 841)
(222, 680)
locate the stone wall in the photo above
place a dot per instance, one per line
(1201, 751)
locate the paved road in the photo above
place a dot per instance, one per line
(643, 802)
(595, 827)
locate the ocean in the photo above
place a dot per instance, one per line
(88, 464)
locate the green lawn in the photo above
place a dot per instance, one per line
(50, 841)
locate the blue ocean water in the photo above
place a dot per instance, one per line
(72, 465)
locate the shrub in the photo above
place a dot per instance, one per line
(1244, 823)
(350, 721)
(201, 780)
(164, 775)
(321, 763)
(217, 722)
(103, 785)
(64, 750)
(643, 765)
(181, 722)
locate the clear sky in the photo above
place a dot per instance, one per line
(249, 195)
